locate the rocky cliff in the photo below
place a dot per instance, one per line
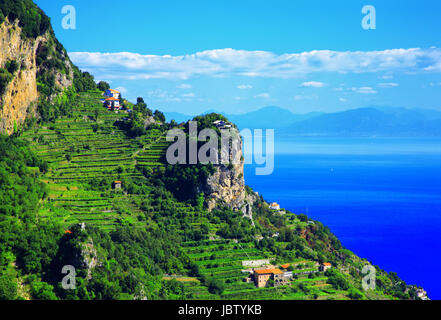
(226, 187)
(36, 60)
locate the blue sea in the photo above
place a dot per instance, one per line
(381, 197)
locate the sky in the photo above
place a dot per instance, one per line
(239, 56)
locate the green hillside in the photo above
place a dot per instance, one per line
(145, 242)
(88, 187)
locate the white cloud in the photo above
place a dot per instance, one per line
(184, 86)
(244, 86)
(121, 89)
(302, 97)
(389, 85)
(263, 96)
(189, 95)
(363, 90)
(162, 95)
(343, 100)
(313, 84)
(230, 62)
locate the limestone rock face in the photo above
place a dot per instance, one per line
(88, 257)
(86, 254)
(226, 187)
(21, 93)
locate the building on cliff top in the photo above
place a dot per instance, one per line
(275, 206)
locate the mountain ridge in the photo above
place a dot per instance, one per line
(371, 121)
(358, 122)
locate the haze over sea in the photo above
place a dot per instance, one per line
(381, 197)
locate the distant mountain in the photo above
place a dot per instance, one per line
(178, 117)
(371, 121)
(269, 118)
(265, 118)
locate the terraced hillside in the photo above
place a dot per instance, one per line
(222, 260)
(87, 187)
(86, 148)
(99, 176)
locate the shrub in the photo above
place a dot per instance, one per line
(355, 294)
(5, 79)
(8, 288)
(216, 286)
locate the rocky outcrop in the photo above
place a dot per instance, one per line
(226, 187)
(21, 93)
(86, 257)
(149, 121)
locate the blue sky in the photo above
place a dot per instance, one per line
(238, 56)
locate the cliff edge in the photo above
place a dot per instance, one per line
(33, 64)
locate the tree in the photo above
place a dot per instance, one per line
(216, 286)
(200, 201)
(337, 279)
(159, 116)
(8, 288)
(355, 294)
(103, 86)
(43, 291)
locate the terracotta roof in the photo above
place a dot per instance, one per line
(285, 266)
(117, 182)
(113, 90)
(68, 232)
(327, 264)
(111, 99)
(269, 271)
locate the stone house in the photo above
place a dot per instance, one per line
(325, 266)
(261, 277)
(117, 185)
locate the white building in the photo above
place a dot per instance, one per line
(112, 102)
(274, 206)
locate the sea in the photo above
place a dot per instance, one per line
(380, 196)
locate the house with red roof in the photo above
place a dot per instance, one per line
(110, 103)
(275, 206)
(261, 277)
(325, 266)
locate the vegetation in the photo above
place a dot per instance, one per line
(7, 74)
(32, 19)
(152, 238)
(103, 86)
